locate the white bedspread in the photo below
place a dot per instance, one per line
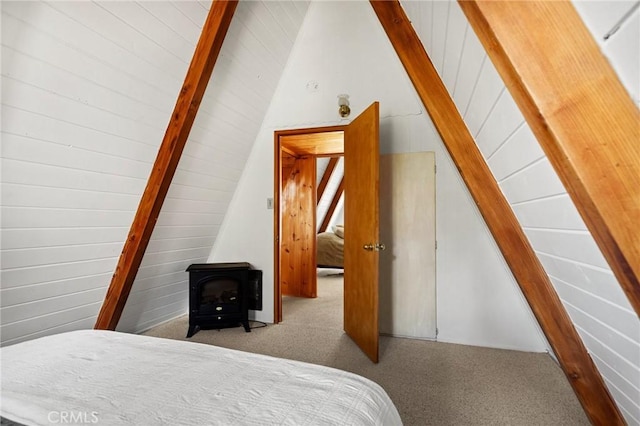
(106, 377)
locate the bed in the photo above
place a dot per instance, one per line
(330, 248)
(107, 377)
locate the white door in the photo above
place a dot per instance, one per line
(407, 226)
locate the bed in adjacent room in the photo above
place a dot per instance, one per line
(330, 248)
(107, 377)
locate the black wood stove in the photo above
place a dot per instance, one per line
(220, 295)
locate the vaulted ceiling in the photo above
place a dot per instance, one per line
(88, 89)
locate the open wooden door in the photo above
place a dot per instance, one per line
(361, 213)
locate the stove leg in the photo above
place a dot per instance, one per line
(193, 329)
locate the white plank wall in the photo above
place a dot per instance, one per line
(600, 311)
(338, 214)
(87, 92)
(615, 25)
(321, 165)
(329, 192)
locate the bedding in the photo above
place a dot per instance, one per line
(107, 377)
(330, 250)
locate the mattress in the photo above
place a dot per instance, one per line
(107, 377)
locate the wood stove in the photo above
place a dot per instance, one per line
(220, 295)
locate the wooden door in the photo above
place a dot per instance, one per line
(361, 210)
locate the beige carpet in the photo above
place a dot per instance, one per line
(430, 383)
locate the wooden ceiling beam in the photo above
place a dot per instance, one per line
(499, 217)
(175, 138)
(332, 206)
(325, 178)
(584, 119)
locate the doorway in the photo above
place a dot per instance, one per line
(295, 201)
(295, 249)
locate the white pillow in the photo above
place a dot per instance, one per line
(339, 230)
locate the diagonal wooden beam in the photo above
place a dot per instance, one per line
(184, 113)
(325, 178)
(584, 119)
(332, 206)
(499, 217)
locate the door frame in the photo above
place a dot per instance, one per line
(318, 135)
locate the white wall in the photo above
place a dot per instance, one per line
(329, 192)
(343, 49)
(601, 313)
(321, 165)
(87, 92)
(619, 21)
(611, 330)
(338, 214)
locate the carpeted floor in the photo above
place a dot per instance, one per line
(430, 383)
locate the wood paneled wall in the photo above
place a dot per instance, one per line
(287, 163)
(298, 237)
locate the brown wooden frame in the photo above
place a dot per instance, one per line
(499, 217)
(175, 138)
(277, 181)
(584, 119)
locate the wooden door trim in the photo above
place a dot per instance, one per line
(184, 113)
(536, 286)
(277, 183)
(310, 130)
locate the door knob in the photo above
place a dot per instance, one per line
(376, 247)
